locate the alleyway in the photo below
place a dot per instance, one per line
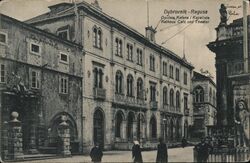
(175, 155)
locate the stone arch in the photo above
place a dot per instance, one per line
(119, 124)
(130, 125)
(141, 126)
(99, 126)
(153, 127)
(54, 124)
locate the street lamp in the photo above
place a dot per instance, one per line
(164, 130)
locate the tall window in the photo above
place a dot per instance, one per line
(171, 94)
(165, 69)
(130, 86)
(118, 124)
(139, 56)
(210, 95)
(97, 37)
(35, 79)
(63, 85)
(152, 63)
(118, 47)
(177, 74)
(139, 88)
(198, 94)
(153, 127)
(118, 82)
(185, 101)
(130, 52)
(171, 71)
(178, 100)
(152, 92)
(98, 75)
(165, 96)
(185, 78)
(2, 73)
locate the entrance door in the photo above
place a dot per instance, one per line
(99, 128)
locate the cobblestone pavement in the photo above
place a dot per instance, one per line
(175, 155)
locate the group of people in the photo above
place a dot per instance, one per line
(162, 152)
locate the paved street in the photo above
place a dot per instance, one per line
(175, 155)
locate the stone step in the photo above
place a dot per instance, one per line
(36, 157)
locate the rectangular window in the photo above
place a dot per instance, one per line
(3, 38)
(63, 85)
(35, 79)
(64, 58)
(185, 78)
(152, 92)
(152, 63)
(185, 101)
(2, 74)
(139, 56)
(118, 47)
(130, 52)
(177, 74)
(171, 71)
(35, 48)
(165, 69)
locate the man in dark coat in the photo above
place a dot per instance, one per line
(136, 152)
(203, 150)
(96, 153)
(162, 152)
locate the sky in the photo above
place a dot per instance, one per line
(134, 14)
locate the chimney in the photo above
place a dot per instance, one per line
(150, 33)
(245, 35)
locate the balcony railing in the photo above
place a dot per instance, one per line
(129, 101)
(154, 105)
(99, 93)
(171, 109)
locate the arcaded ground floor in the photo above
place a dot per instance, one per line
(175, 155)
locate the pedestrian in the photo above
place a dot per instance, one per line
(183, 142)
(162, 152)
(96, 153)
(203, 150)
(136, 152)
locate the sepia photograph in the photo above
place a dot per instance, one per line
(124, 81)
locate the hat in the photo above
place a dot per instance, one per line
(136, 142)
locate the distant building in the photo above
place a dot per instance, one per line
(41, 79)
(132, 88)
(204, 104)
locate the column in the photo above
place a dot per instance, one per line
(64, 136)
(124, 127)
(15, 140)
(134, 130)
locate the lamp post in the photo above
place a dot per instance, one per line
(164, 130)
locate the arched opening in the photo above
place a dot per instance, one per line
(130, 126)
(99, 127)
(130, 85)
(139, 88)
(153, 128)
(140, 126)
(171, 97)
(119, 82)
(171, 130)
(178, 103)
(118, 125)
(178, 127)
(165, 96)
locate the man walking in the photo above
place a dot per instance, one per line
(136, 152)
(96, 153)
(162, 152)
(203, 150)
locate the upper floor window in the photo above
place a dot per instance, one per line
(130, 52)
(171, 71)
(178, 104)
(139, 88)
(198, 94)
(97, 37)
(177, 74)
(130, 85)
(152, 92)
(2, 73)
(118, 47)
(139, 56)
(185, 101)
(210, 95)
(152, 63)
(35, 79)
(3, 38)
(64, 34)
(165, 96)
(119, 82)
(64, 58)
(63, 84)
(185, 78)
(98, 77)
(171, 99)
(165, 68)
(35, 48)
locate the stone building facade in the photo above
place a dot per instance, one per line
(41, 79)
(204, 104)
(132, 88)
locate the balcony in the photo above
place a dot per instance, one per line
(127, 101)
(171, 109)
(99, 93)
(186, 112)
(153, 105)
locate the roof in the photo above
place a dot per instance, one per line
(68, 10)
(39, 31)
(200, 77)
